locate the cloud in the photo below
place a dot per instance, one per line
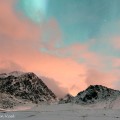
(116, 62)
(8, 66)
(13, 26)
(97, 77)
(21, 42)
(116, 42)
(81, 52)
(55, 86)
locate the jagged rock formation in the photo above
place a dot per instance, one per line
(96, 93)
(67, 99)
(26, 86)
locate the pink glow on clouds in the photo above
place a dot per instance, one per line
(116, 62)
(19, 49)
(20, 42)
(96, 77)
(14, 28)
(116, 42)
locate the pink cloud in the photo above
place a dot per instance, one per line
(7, 66)
(54, 86)
(19, 49)
(14, 27)
(97, 77)
(116, 42)
(81, 52)
(20, 42)
(116, 62)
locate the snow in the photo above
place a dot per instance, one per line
(63, 112)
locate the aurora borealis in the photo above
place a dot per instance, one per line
(75, 43)
(33, 9)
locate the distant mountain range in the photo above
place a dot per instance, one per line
(19, 86)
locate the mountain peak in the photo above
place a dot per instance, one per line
(95, 93)
(97, 87)
(66, 99)
(26, 86)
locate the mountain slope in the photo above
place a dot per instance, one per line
(26, 86)
(9, 101)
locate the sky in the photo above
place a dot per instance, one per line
(71, 44)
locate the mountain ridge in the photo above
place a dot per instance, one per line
(28, 86)
(94, 94)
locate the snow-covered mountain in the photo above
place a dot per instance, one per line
(95, 94)
(26, 86)
(66, 99)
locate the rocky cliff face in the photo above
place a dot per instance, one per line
(26, 86)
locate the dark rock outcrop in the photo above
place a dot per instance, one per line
(96, 93)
